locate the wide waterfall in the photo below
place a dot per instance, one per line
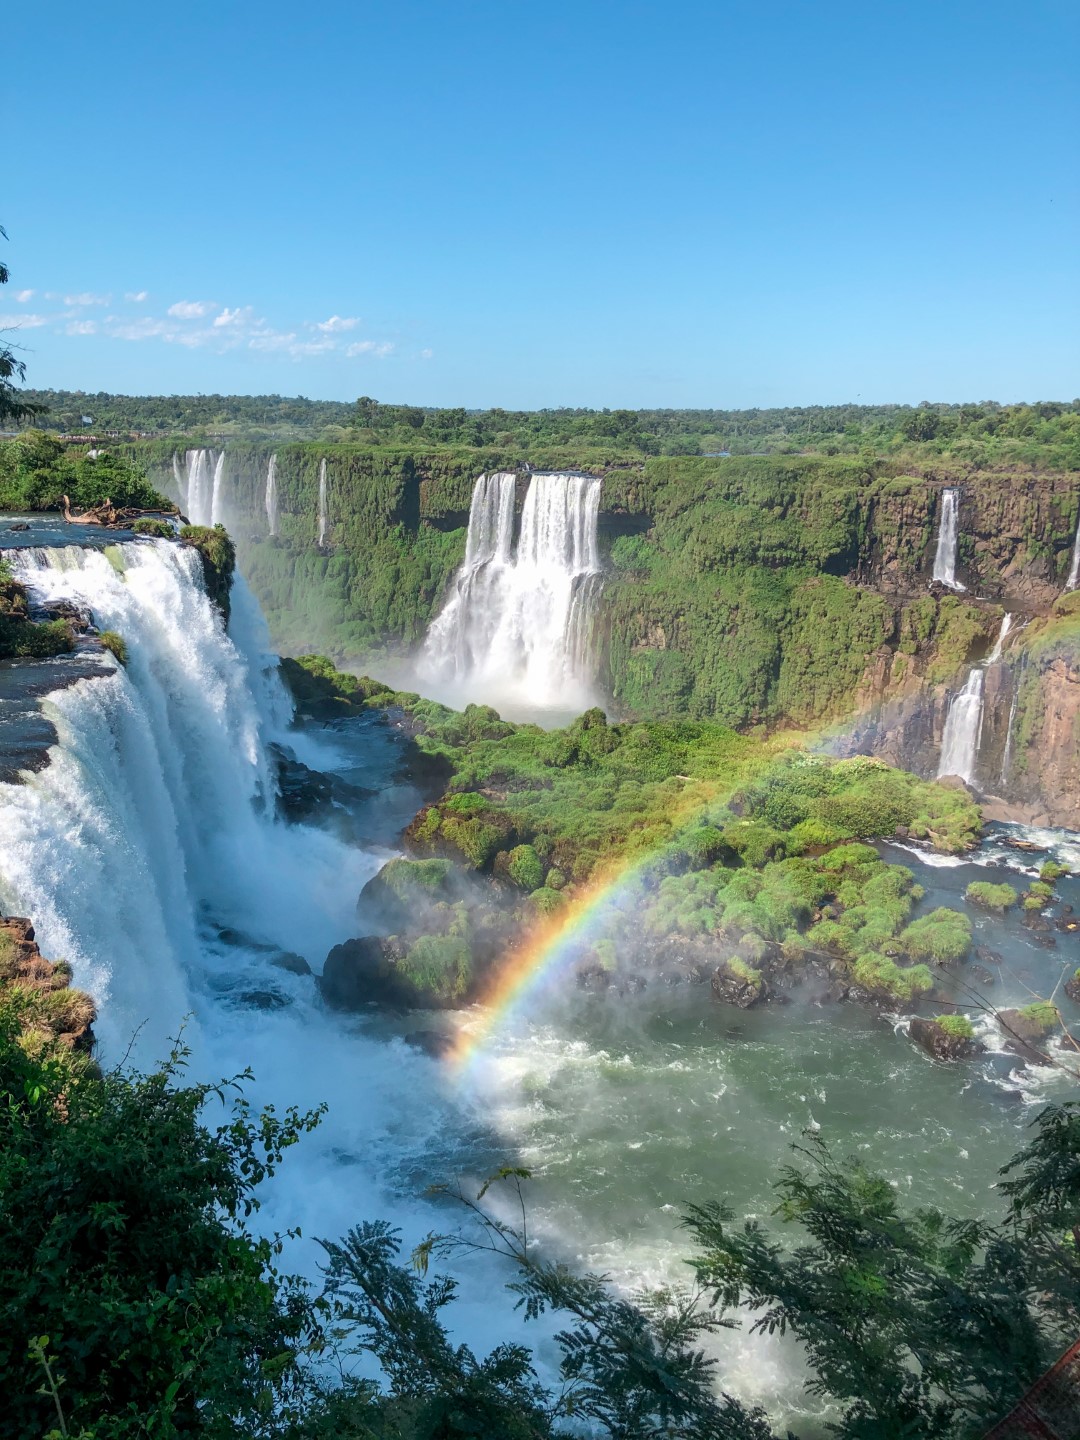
(148, 854)
(516, 628)
(200, 485)
(963, 724)
(948, 536)
(271, 499)
(323, 519)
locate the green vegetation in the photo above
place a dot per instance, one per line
(115, 644)
(959, 1027)
(156, 529)
(19, 635)
(137, 1299)
(1042, 1014)
(218, 555)
(37, 471)
(725, 831)
(984, 433)
(990, 896)
(1051, 871)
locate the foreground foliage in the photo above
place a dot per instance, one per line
(136, 1299)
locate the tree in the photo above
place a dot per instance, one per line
(923, 1324)
(13, 406)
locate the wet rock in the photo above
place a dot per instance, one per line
(435, 1043)
(938, 1042)
(1024, 1034)
(306, 794)
(289, 960)
(981, 974)
(987, 956)
(76, 616)
(262, 999)
(833, 994)
(1072, 987)
(363, 972)
(19, 525)
(740, 986)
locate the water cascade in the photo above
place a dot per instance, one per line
(945, 554)
(200, 485)
(963, 724)
(517, 623)
(322, 504)
(272, 496)
(1074, 568)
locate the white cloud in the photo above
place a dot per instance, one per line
(426, 354)
(190, 309)
(86, 298)
(22, 296)
(23, 321)
(81, 327)
(242, 315)
(137, 295)
(378, 348)
(337, 323)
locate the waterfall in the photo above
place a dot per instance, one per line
(197, 484)
(147, 856)
(945, 555)
(154, 817)
(217, 494)
(517, 624)
(272, 496)
(1074, 568)
(963, 723)
(200, 485)
(999, 643)
(322, 504)
(1006, 759)
(963, 729)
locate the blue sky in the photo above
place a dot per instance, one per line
(591, 203)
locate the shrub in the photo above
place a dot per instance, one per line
(991, 897)
(1039, 890)
(942, 936)
(878, 972)
(440, 966)
(846, 856)
(958, 1026)
(115, 644)
(159, 529)
(525, 868)
(1052, 871)
(545, 901)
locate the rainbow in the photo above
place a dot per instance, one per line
(549, 948)
(552, 945)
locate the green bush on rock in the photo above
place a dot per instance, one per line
(525, 868)
(942, 937)
(990, 896)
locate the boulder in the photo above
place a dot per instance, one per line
(937, 1041)
(289, 960)
(1072, 986)
(738, 985)
(363, 972)
(1025, 1032)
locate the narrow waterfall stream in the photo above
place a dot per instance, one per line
(1074, 567)
(323, 519)
(515, 629)
(947, 541)
(271, 498)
